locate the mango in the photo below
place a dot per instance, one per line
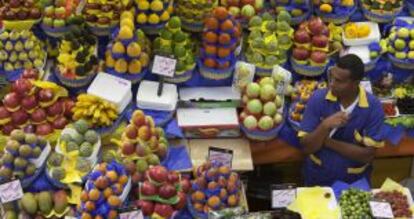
(29, 203)
(45, 202)
(60, 199)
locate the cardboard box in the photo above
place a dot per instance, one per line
(208, 123)
(209, 97)
(242, 156)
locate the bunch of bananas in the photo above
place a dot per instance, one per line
(95, 110)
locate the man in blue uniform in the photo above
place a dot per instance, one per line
(341, 127)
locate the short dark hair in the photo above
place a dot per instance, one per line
(352, 63)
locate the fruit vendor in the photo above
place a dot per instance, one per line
(341, 127)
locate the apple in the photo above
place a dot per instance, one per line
(30, 74)
(147, 207)
(148, 189)
(278, 101)
(173, 177)
(8, 128)
(412, 33)
(259, 4)
(44, 129)
(248, 11)
(48, 21)
(45, 95)
(11, 100)
(55, 109)
(403, 32)
(50, 11)
(167, 191)
(10, 15)
(185, 185)
(253, 90)
(19, 117)
(266, 80)
(35, 13)
(269, 108)
(267, 92)
(250, 122)
(399, 44)
(254, 106)
(300, 54)
(234, 3)
(266, 123)
(316, 25)
(60, 122)
(163, 210)
(29, 128)
(158, 174)
(128, 148)
(68, 104)
(138, 118)
(21, 86)
(38, 116)
(301, 36)
(60, 13)
(318, 57)
(320, 41)
(131, 132)
(29, 103)
(22, 15)
(59, 23)
(234, 10)
(410, 55)
(4, 113)
(277, 118)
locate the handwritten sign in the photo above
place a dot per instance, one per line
(137, 214)
(164, 66)
(11, 191)
(221, 155)
(381, 209)
(283, 195)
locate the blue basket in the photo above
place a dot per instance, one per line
(403, 64)
(295, 125)
(134, 78)
(195, 27)
(101, 31)
(371, 65)
(152, 29)
(378, 17)
(410, 7)
(13, 75)
(215, 74)
(337, 18)
(55, 32)
(26, 182)
(258, 135)
(180, 78)
(74, 83)
(307, 70)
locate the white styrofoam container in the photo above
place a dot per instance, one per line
(147, 97)
(209, 94)
(361, 51)
(113, 89)
(374, 36)
(332, 204)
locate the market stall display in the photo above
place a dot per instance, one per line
(192, 13)
(20, 14)
(243, 11)
(300, 10)
(153, 14)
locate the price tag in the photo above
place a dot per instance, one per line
(381, 209)
(164, 66)
(137, 214)
(11, 191)
(221, 155)
(283, 195)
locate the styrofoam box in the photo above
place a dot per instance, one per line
(331, 205)
(209, 94)
(113, 89)
(207, 117)
(374, 36)
(361, 51)
(147, 97)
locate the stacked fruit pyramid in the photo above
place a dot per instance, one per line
(76, 153)
(77, 63)
(161, 194)
(312, 46)
(21, 157)
(215, 187)
(381, 11)
(243, 10)
(105, 191)
(299, 10)
(400, 48)
(221, 36)
(35, 106)
(20, 14)
(174, 42)
(128, 54)
(262, 112)
(269, 41)
(193, 13)
(59, 15)
(337, 12)
(21, 50)
(153, 14)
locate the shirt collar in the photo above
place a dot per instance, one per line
(362, 102)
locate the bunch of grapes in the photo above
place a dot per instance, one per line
(355, 204)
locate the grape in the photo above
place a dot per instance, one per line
(398, 201)
(354, 204)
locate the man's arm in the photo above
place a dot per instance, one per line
(351, 151)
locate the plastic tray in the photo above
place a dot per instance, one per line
(374, 36)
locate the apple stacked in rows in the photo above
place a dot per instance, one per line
(215, 187)
(20, 10)
(77, 58)
(401, 43)
(153, 12)
(262, 106)
(193, 12)
(221, 37)
(102, 14)
(304, 90)
(173, 41)
(243, 9)
(36, 109)
(269, 40)
(161, 193)
(20, 149)
(129, 51)
(311, 43)
(104, 190)
(60, 14)
(21, 50)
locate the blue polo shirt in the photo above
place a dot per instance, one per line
(363, 128)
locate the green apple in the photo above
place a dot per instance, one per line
(403, 33)
(411, 55)
(411, 44)
(400, 55)
(399, 44)
(412, 33)
(59, 23)
(48, 21)
(235, 11)
(50, 11)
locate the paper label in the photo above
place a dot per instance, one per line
(283, 195)
(137, 214)
(164, 66)
(381, 209)
(221, 155)
(11, 191)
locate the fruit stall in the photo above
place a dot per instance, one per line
(165, 109)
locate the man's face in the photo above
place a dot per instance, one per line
(340, 81)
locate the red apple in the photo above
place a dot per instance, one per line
(14, 3)
(29, 102)
(4, 113)
(181, 201)
(21, 86)
(68, 104)
(131, 132)
(137, 177)
(11, 100)
(140, 151)
(233, 3)
(45, 95)
(173, 177)
(185, 185)
(148, 189)
(163, 210)
(300, 53)
(318, 57)
(316, 26)
(8, 128)
(158, 174)
(167, 191)
(325, 31)
(320, 41)
(302, 36)
(60, 122)
(128, 148)
(44, 129)
(35, 13)
(38, 116)
(147, 207)
(55, 109)
(19, 117)
(30, 73)
(138, 119)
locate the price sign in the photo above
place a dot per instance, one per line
(11, 191)
(164, 66)
(283, 195)
(221, 155)
(381, 209)
(137, 214)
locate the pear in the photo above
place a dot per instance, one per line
(134, 67)
(121, 66)
(134, 49)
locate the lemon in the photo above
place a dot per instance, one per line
(327, 8)
(153, 19)
(125, 33)
(134, 67)
(127, 15)
(170, 9)
(143, 5)
(364, 30)
(157, 5)
(144, 59)
(128, 23)
(142, 18)
(165, 16)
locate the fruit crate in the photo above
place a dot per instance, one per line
(307, 70)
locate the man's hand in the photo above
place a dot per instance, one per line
(336, 120)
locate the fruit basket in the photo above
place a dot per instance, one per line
(20, 15)
(381, 11)
(300, 10)
(192, 13)
(361, 33)
(410, 6)
(45, 204)
(152, 15)
(400, 44)
(243, 11)
(337, 12)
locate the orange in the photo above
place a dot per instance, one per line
(221, 13)
(94, 194)
(212, 185)
(112, 175)
(114, 201)
(211, 50)
(123, 179)
(211, 23)
(86, 216)
(117, 189)
(198, 207)
(224, 38)
(112, 214)
(107, 192)
(223, 52)
(210, 63)
(213, 201)
(89, 206)
(198, 196)
(236, 32)
(84, 196)
(210, 37)
(232, 200)
(226, 25)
